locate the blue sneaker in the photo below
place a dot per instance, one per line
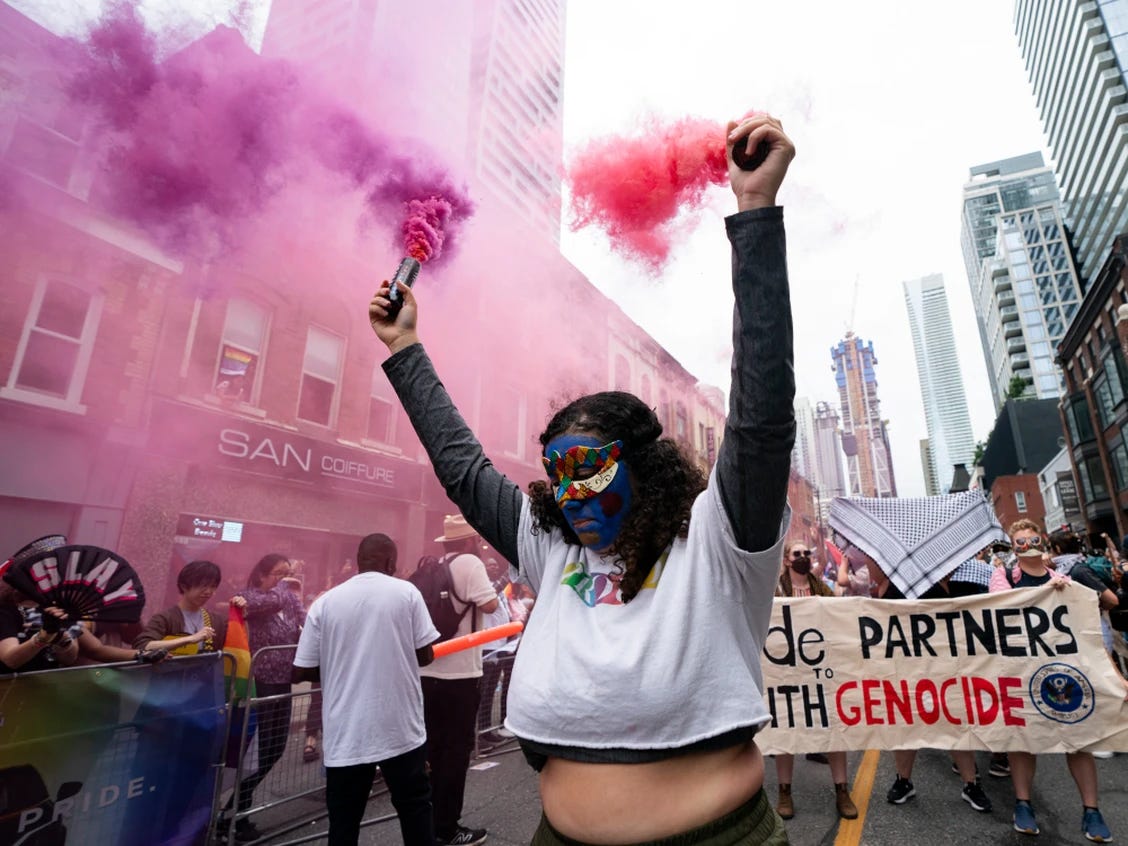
(1093, 824)
(1024, 818)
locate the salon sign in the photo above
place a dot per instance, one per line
(1021, 670)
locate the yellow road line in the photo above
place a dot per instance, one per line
(850, 831)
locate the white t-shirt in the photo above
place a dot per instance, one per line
(678, 664)
(471, 583)
(363, 635)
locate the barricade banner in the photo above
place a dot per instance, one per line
(120, 754)
(1021, 670)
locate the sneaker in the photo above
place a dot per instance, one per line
(1024, 821)
(1000, 766)
(973, 794)
(901, 791)
(1093, 824)
(1104, 755)
(464, 836)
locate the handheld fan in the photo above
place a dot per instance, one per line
(37, 545)
(86, 582)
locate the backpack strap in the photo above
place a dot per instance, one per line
(446, 562)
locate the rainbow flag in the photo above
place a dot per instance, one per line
(237, 644)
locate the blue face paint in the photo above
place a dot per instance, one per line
(597, 519)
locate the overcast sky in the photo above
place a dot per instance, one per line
(889, 104)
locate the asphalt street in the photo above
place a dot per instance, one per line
(501, 796)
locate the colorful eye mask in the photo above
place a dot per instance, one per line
(563, 468)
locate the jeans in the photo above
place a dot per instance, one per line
(347, 789)
(450, 710)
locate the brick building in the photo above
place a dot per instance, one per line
(1094, 413)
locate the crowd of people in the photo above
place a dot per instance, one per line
(638, 677)
(1032, 558)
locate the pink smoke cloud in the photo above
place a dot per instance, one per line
(198, 144)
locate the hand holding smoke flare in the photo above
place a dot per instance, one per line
(423, 236)
(639, 188)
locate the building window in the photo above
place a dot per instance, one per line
(53, 354)
(1096, 478)
(381, 410)
(1119, 456)
(1112, 375)
(622, 374)
(681, 426)
(1020, 501)
(240, 351)
(321, 371)
(1080, 423)
(1105, 405)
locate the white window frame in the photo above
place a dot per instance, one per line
(253, 400)
(334, 404)
(393, 420)
(71, 401)
(1020, 501)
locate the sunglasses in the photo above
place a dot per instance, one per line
(796, 554)
(1023, 543)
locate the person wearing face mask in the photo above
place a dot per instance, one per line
(1033, 567)
(637, 690)
(797, 579)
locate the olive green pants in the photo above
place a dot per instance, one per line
(755, 823)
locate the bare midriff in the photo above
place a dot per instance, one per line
(614, 804)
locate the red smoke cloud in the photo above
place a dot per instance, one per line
(635, 187)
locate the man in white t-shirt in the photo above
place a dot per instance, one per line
(451, 686)
(365, 641)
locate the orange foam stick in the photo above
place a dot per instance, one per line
(457, 644)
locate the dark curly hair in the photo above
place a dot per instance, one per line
(659, 512)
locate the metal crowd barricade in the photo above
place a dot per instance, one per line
(273, 729)
(285, 720)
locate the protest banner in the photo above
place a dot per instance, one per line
(121, 754)
(1021, 670)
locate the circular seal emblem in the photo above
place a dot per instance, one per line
(1062, 693)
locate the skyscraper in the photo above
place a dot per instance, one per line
(1024, 286)
(479, 83)
(803, 454)
(950, 441)
(830, 479)
(1076, 54)
(864, 437)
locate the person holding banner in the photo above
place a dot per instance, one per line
(638, 688)
(1032, 570)
(798, 579)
